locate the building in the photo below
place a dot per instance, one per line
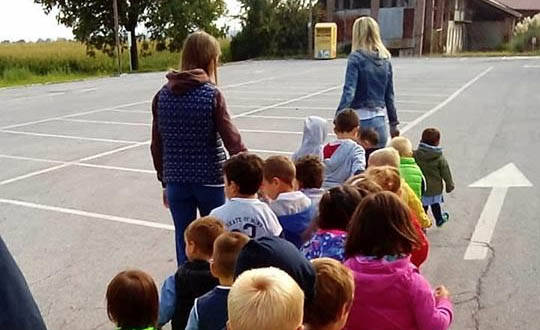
(421, 27)
(527, 8)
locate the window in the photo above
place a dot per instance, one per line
(361, 4)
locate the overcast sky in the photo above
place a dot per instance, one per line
(23, 19)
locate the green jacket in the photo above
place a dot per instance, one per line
(435, 168)
(412, 174)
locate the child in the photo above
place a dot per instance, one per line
(369, 139)
(293, 208)
(315, 131)
(243, 212)
(265, 299)
(310, 176)
(334, 289)
(193, 278)
(390, 293)
(390, 157)
(132, 301)
(407, 167)
(335, 210)
(209, 311)
(343, 158)
(436, 170)
(388, 178)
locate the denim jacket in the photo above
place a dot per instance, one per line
(369, 84)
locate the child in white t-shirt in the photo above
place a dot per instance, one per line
(242, 211)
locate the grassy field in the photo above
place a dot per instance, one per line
(29, 63)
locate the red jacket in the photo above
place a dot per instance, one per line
(420, 254)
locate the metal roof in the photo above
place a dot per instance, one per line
(522, 4)
(503, 7)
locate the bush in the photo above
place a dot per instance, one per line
(524, 33)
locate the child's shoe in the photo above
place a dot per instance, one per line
(445, 217)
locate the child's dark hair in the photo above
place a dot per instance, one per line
(381, 226)
(132, 300)
(369, 135)
(246, 170)
(309, 172)
(227, 247)
(279, 167)
(346, 121)
(203, 232)
(431, 136)
(337, 206)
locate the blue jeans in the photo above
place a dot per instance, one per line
(379, 125)
(184, 200)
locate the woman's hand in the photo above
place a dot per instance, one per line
(394, 131)
(165, 199)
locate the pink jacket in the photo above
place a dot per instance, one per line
(393, 295)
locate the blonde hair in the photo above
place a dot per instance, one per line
(402, 145)
(265, 299)
(387, 177)
(201, 51)
(366, 36)
(382, 157)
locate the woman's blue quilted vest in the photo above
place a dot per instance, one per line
(192, 148)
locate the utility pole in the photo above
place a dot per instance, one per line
(310, 30)
(116, 31)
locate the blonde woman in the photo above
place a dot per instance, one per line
(190, 131)
(369, 87)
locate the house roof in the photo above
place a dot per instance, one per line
(498, 4)
(522, 4)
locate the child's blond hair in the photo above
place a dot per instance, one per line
(402, 145)
(384, 157)
(387, 177)
(265, 299)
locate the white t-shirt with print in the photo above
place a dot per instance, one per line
(249, 216)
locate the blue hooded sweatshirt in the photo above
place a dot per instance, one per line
(349, 159)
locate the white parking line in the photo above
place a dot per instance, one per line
(282, 117)
(105, 122)
(269, 131)
(296, 99)
(94, 215)
(264, 151)
(85, 159)
(106, 167)
(445, 102)
(69, 137)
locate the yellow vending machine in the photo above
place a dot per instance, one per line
(325, 40)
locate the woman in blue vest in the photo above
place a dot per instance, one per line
(191, 130)
(369, 86)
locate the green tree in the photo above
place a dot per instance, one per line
(93, 21)
(170, 21)
(271, 27)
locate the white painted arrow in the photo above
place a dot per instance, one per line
(500, 180)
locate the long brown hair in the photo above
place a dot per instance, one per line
(132, 300)
(201, 51)
(381, 226)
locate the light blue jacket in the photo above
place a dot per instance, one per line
(349, 159)
(369, 84)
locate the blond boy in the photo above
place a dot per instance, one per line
(407, 165)
(265, 299)
(390, 157)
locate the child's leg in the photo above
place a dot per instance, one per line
(437, 213)
(183, 206)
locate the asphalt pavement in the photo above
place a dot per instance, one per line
(79, 200)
